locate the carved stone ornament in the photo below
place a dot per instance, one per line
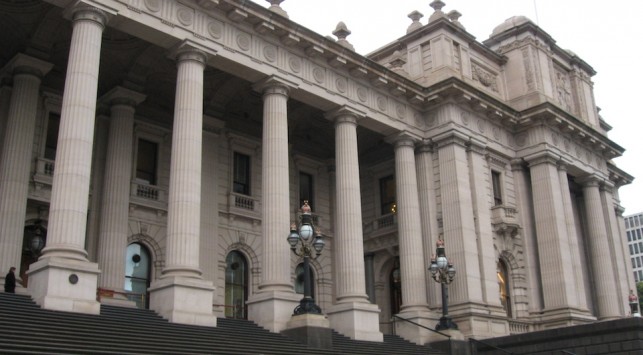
(484, 77)
(270, 53)
(215, 29)
(362, 94)
(153, 5)
(381, 103)
(341, 84)
(243, 41)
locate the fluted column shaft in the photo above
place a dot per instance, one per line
(600, 255)
(458, 219)
(113, 231)
(559, 289)
(348, 229)
(184, 198)
(15, 158)
(574, 250)
(412, 261)
(68, 208)
(618, 243)
(428, 217)
(275, 186)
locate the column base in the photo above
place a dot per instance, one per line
(413, 332)
(183, 300)
(356, 320)
(272, 310)
(64, 285)
(312, 330)
(564, 317)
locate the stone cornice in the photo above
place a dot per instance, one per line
(542, 157)
(451, 137)
(568, 124)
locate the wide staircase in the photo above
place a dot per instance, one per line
(25, 328)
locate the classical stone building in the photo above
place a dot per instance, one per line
(159, 150)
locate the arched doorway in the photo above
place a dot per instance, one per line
(299, 280)
(503, 286)
(137, 274)
(236, 286)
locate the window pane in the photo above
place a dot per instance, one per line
(305, 189)
(236, 285)
(146, 161)
(51, 142)
(387, 195)
(497, 188)
(241, 175)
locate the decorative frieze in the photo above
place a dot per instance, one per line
(485, 77)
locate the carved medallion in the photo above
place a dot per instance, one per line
(381, 103)
(185, 16)
(341, 84)
(362, 94)
(270, 53)
(319, 75)
(243, 41)
(295, 64)
(215, 29)
(153, 5)
(401, 111)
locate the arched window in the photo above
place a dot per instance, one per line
(299, 280)
(395, 282)
(503, 285)
(137, 274)
(236, 285)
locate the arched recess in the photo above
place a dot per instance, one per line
(253, 263)
(389, 296)
(517, 279)
(157, 255)
(34, 240)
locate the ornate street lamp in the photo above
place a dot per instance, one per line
(443, 272)
(302, 243)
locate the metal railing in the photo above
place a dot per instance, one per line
(474, 347)
(139, 298)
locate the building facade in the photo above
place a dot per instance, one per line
(155, 153)
(634, 230)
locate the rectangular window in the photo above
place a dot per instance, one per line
(387, 195)
(497, 188)
(638, 234)
(629, 237)
(51, 141)
(641, 218)
(636, 248)
(633, 264)
(631, 250)
(636, 276)
(305, 189)
(638, 262)
(636, 222)
(146, 161)
(241, 174)
(640, 275)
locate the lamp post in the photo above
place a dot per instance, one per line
(302, 243)
(443, 272)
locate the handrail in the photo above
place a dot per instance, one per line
(421, 326)
(489, 345)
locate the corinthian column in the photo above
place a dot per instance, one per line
(15, 158)
(600, 253)
(64, 260)
(353, 315)
(112, 240)
(272, 306)
(181, 278)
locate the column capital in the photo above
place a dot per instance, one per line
(542, 157)
(590, 181)
(619, 210)
(402, 139)
(426, 145)
(275, 85)
(517, 164)
(82, 12)
(25, 64)
(451, 137)
(476, 146)
(122, 96)
(345, 114)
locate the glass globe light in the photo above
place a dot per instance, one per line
(442, 262)
(306, 231)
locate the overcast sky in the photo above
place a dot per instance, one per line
(607, 35)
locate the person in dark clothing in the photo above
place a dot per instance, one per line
(10, 281)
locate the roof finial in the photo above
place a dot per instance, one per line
(437, 5)
(454, 15)
(415, 16)
(274, 7)
(341, 31)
